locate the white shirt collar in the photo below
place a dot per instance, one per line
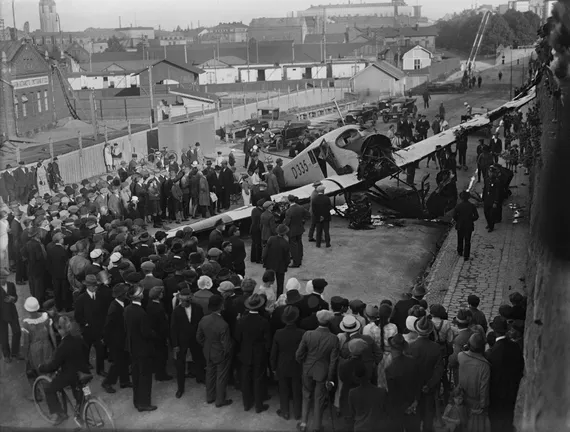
(498, 338)
(253, 312)
(120, 302)
(137, 302)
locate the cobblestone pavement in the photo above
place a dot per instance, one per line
(498, 259)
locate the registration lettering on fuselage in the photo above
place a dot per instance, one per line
(300, 169)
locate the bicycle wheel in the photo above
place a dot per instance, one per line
(96, 415)
(39, 395)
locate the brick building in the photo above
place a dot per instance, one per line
(28, 83)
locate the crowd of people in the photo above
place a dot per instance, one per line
(152, 305)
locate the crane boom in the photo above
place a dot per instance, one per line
(470, 65)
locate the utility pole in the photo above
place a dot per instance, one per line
(151, 93)
(325, 34)
(93, 113)
(511, 83)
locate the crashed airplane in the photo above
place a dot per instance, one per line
(351, 158)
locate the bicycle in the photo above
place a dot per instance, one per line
(90, 412)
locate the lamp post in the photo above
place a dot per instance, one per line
(511, 83)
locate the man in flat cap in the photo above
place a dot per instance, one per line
(318, 353)
(295, 218)
(159, 324)
(149, 281)
(184, 325)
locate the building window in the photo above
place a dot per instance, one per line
(46, 103)
(417, 64)
(24, 106)
(16, 110)
(39, 101)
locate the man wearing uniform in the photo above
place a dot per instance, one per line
(491, 198)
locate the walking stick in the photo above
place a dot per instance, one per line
(331, 409)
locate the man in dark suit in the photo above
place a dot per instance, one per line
(9, 317)
(57, 259)
(253, 337)
(20, 175)
(295, 218)
(212, 177)
(159, 324)
(139, 343)
(492, 198)
(276, 256)
(465, 215)
(283, 363)
(428, 357)
(496, 147)
(114, 336)
(183, 327)
(37, 264)
(214, 336)
(401, 308)
(226, 185)
(90, 311)
(216, 238)
(16, 227)
(321, 208)
(318, 353)
(267, 222)
(403, 386)
(507, 369)
(319, 286)
(149, 281)
(67, 361)
(255, 232)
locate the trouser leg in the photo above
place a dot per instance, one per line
(280, 279)
(181, 370)
(222, 377)
(284, 385)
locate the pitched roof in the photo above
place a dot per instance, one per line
(406, 31)
(385, 67)
(10, 48)
(276, 22)
(420, 47)
(186, 67)
(232, 60)
(231, 25)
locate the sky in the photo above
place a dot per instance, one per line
(79, 14)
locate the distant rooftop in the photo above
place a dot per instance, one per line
(356, 5)
(134, 28)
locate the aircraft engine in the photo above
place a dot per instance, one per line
(376, 159)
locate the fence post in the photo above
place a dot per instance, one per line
(126, 110)
(186, 110)
(203, 111)
(232, 99)
(80, 142)
(106, 134)
(256, 101)
(50, 143)
(150, 121)
(18, 155)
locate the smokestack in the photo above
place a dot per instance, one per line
(120, 22)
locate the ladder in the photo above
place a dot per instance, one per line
(64, 89)
(470, 65)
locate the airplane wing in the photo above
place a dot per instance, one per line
(337, 183)
(420, 150)
(333, 184)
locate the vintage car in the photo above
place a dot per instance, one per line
(361, 116)
(399, 108)
(275, 128)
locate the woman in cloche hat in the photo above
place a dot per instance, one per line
(38, 338)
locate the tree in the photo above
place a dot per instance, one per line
(498, 33)
(523, 25)
(114, 45)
